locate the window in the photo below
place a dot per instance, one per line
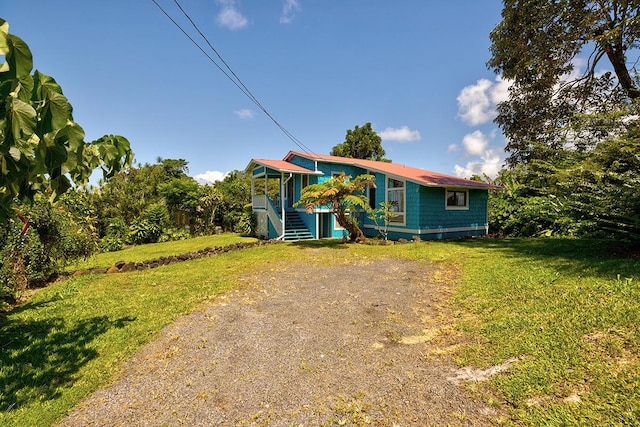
(396, 195)
(305, 181)
(372, 196)
(457, 199)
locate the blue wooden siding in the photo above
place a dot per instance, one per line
(258, 170)
(433, 213)
(329, 168)
(309, 221)
(426, 213)
(305, 163)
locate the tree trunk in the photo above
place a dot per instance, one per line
(616, 57)
(355, 233)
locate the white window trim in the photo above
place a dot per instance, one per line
(404, 200)
(456, 208)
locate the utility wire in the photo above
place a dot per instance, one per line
(246, 89)
(231, 75)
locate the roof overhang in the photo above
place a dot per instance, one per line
(280, 166)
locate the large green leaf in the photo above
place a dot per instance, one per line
(115, 153)
(54, 110)
(4, 46)
(22, 118)
(56, 149)
(74, 164)
(18, 58)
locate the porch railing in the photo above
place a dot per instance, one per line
(261, 201)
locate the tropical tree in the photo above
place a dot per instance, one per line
(174, 168)
(234, 213)
(361, 143)
(42, 149)
(384, 213)
(603, 188)
(211, 200)
(551, 105)
(182, 197)
(343, 196)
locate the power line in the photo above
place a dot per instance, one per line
(231, 75)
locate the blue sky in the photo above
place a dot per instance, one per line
(415, 69)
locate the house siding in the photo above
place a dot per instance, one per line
(433, 212)
(426, 214)
(302, 162)
(329, 168)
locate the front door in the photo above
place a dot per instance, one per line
(326, 224)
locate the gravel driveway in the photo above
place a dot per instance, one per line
(356, 343)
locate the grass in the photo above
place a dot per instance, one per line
(569, 307)
(156, 250)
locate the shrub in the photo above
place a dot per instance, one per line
(173, 234)
(115, 236)
(246, 224)
(149, 227)
(30, 256)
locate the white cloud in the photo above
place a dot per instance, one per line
(477, 103)
(209, 177)
(244, 113)
(453, 147)
(289, 9)
(402, 134)
(230, 16)
(489, 164)
(475, 143)
(500, 90)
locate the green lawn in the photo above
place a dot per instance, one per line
(569, 307)
(156, 250)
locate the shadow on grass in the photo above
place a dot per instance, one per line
(602, 257)
(40, 357)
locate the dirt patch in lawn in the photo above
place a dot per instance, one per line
(360, 342)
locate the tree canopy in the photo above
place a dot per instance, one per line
(342, 195)
(361, 143)
(552, 102)
(42, 149)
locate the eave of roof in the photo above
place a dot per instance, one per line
(282, 166)
(417, 175)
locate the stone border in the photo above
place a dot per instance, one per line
(124, 266)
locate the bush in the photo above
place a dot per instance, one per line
(142, 231)
(30, 256)
(115, 236)
(149, 227)
(246, 224)
(173, 234)
(24, 262)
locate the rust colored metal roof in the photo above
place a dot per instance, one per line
(420, 176)
(283, 166)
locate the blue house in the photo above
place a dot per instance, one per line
(427, 204)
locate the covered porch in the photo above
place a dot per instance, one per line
(275, 187)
